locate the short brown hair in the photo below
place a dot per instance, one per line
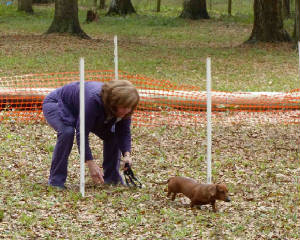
(116, 93)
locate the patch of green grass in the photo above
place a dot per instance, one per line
(1, 215)
(27, 219)
(101, 196)
(49, 222)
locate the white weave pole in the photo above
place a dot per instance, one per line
(82, 129)
(208, 111)
(299, 55)
(116, 57)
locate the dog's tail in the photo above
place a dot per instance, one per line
(161, 183)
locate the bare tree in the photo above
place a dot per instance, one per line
(43, 1)
(25, 5)
(102, 4)
(286, 8)
(120, 7)
(229, 7)
(296, 25)
(158, 3)
(66, 19)
(268, 22)
(194, 9)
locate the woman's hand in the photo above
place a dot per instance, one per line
(126, 159)
(95, 172)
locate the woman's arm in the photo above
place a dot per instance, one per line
(123, 135)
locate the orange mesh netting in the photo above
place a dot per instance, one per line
(162, 102)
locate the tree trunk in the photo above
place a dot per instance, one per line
(102, 4)
(229, 7)
(66, 19)
(158, 5)
(43, 1)
(25, 5)
(296, 24)
(120, 7)
(194, 9)
(286, 8)
(268, 22)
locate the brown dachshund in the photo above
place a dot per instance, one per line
(199, 194)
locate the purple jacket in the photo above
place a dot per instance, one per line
(67, 98)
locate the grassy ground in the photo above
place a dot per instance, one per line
(158, 45)
(259, 164)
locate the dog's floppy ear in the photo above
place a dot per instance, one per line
(221, 188)
(212, 189)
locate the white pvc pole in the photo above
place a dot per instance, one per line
(82, 129)
(116, 57)
(208, 111)
(299, 54)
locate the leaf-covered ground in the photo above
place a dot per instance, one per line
(258, 162)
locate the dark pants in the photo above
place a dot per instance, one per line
(63, 147)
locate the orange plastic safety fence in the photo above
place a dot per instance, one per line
(162, 102)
